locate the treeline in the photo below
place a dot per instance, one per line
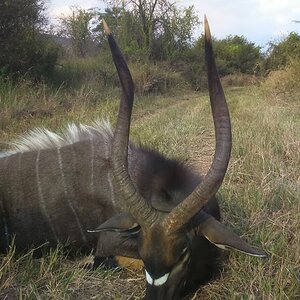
(157, 38)
(24, 47)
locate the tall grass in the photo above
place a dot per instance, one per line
(54, 111)
(78, 84)
(259, 198)
(284, 85)
(98, 72)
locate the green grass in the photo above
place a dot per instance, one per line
(259, 197)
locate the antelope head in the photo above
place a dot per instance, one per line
(165, 238)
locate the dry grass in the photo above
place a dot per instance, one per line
(240, 79)
(155, 79)
(54, 276)
(259, 198)
(284, 85)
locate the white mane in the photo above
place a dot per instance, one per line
(42, 138)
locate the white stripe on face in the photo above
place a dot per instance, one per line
(157, 282)
(149, 278)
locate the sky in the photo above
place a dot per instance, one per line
(260, 21)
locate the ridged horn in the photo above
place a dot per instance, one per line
(141, 210)
(210, 184)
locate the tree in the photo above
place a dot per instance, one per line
(148, 12)
(78, 27)
(174, 36)
(281, 53)
(125, 28)
(235, 54)
(159, 28)
(24, 49)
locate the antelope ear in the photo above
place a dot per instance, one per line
(225, 239)
(118, 223)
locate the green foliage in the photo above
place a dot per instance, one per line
(77, 27)
(96, 71)
(132, 38)
(174, 39)
(193, 66)
(155, 30)
(235, 54)
(282, 65)
(43, 58)
(159, 31)
(281, 53)
(24, 50)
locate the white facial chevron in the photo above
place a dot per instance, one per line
(157, 282)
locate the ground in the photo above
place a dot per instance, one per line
(259, 197)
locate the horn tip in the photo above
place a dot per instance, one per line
(206, 30)
(105, 27)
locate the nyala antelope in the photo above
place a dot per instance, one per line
(136, 202)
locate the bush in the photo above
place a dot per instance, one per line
(282, 52)
(41, 59)
(240, 79)
(25, 50)
(236, 54)
(158, 79)
(34, 56)
(96, 71)
(99, 73)
(284, 85)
